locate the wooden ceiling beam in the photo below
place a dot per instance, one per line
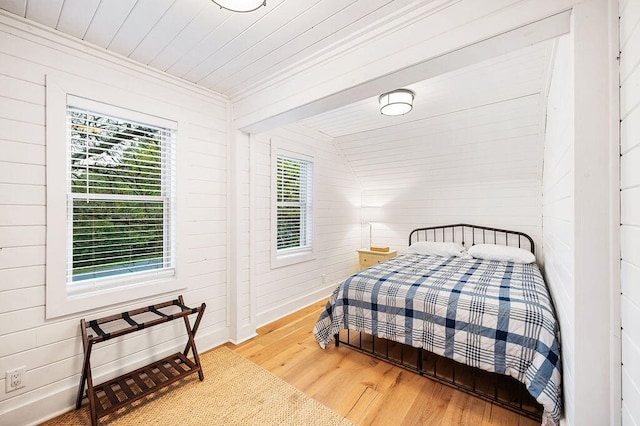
(317, 90)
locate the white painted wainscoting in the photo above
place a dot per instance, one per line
(51, 349)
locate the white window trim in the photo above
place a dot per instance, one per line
(296, 255)
(58, 301)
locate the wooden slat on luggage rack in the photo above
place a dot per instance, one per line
(112, 387)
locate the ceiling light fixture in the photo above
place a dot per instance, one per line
(396, 102)
(240, 5)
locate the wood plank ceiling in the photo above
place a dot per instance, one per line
(198, 41)
(231, 53)
(482, 123)
(516, 75)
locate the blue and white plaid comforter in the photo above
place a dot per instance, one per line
(497, 316)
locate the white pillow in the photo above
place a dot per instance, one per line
(437, 249)
(502, 253)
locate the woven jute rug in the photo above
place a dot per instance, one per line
(235, 391)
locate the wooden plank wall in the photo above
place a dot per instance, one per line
(51, 349)
(481, 165)
(557, 210)
(280, 291)
(630, 208)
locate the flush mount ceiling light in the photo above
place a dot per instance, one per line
(396, 102)
(240, 5)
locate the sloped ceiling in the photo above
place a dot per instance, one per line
(515, 75)
(481, 123)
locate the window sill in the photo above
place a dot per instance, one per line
(291, 259)
(66, 304)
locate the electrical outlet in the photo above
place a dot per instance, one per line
(14, 379)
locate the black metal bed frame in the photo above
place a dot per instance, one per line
(463, 232)
(503, 390)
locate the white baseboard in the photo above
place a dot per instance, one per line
(295, 305)
(244, 333)
(243, 339)
(212, 340)
(59, 398)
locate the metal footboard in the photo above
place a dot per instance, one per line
(499, 389)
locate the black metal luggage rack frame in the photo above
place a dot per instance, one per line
(107, 397)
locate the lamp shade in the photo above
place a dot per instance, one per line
(396, 102)
(372, 214)
(240, 5)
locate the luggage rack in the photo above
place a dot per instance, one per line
(114, 394)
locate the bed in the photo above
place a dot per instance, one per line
(491, 315)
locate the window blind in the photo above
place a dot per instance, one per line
(120, 197)
(294, 204)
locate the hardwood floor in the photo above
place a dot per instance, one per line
(365, 390)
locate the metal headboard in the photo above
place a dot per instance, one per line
(468, 235)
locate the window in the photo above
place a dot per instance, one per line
(120, 195)
(294, 205)
(114, 211)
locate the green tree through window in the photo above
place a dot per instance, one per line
(294, 203)
(120, 191)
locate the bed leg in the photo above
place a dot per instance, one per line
(337, 337)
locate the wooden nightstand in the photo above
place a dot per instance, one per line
(370, 258)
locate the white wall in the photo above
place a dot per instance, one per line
(595, 120)
(557, 210)
(580, 223)
(283, 290)
(481, 166)
(242, 300)
(630, 208)
(513, 205)
(51, 349)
